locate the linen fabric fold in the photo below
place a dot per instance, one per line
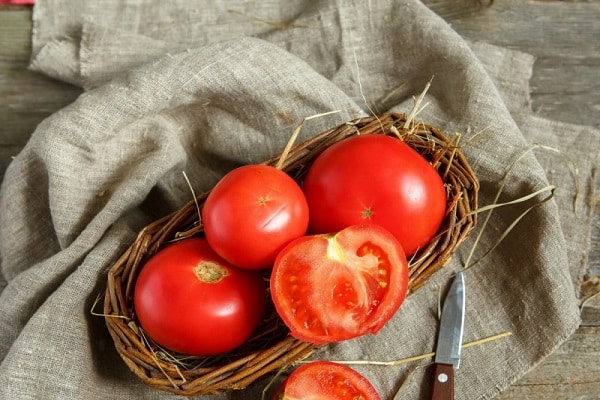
(200, 88)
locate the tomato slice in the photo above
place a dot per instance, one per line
(326, 380)
(328, 288)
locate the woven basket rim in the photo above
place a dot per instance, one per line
(154, 366)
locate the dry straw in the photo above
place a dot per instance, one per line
(272, 349)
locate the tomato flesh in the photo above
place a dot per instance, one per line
(329, 288)
(189, 300)
(252, 213)
(326, 380)
(379, 179)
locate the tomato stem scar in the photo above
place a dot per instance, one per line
(210, 272)
(263, 200)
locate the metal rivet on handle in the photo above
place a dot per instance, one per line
(443, 378)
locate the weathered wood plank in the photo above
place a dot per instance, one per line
(572, 372)
(563, 36)
(26, 97)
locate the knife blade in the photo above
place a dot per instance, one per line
(447, 354)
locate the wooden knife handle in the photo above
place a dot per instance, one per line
(443, 382)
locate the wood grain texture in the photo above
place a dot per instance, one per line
(562, 35)
(571, 372)
(26, 97)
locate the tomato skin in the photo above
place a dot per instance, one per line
(326, 380)
(379, 179)
(329, 288)
(180, 307)
(252, 213)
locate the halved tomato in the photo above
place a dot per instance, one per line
(326, 380)
(328, 288)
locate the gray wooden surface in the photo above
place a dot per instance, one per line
(564, 36)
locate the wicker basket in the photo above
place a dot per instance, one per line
(271, 348)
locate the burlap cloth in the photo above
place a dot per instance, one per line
(204, 86)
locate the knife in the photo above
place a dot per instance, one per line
(447, 354)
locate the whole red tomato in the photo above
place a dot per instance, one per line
(252, 213)
(326, 380)
(328, 288)
(380, 179)
(189, 300)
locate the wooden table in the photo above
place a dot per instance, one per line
(564, 36)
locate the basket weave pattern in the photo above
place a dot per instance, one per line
(271, 348)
